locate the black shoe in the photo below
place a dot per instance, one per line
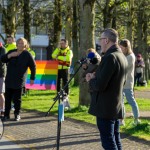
(1, 114)
(5, 118)
(17, 117)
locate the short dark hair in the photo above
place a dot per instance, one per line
(111, 34)
(66, 41)
(9, 36)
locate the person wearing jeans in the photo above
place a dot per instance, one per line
(107, 86)
(113, 127)
(128, 87)
(129, 94)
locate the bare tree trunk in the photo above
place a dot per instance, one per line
(86, 36)
(27, 20)
(145, 46)
(68, 28)
(107, 22)
(130, 32)
(75, 38)
(114, 17)
(57, 22)
(10, 18)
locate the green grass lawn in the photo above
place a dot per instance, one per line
(43, 100)
(141, 88)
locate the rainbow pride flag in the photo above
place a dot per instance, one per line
(46, 76)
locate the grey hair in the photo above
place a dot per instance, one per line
(24, 41)
(111, 34)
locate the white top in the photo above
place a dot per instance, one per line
(130, 71)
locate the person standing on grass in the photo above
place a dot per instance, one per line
(107, 85)
(63, 55)
(10, 45)
(2, 81)
(24, 90)
(128, 87)
(139, 70)
(18, 61)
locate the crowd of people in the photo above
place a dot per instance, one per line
(111, 76)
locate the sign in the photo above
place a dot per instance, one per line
(46, 76)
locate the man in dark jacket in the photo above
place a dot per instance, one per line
(2, 81)
(107, 85)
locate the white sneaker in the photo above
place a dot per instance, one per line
(136, 122)
(12, 107)
(66, 103)
(121, 122)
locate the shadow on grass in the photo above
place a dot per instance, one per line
(74, 110)
(143, 127)
(40, 94)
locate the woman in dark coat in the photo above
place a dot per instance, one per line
(18, 61)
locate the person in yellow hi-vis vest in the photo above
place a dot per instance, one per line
(11, 44)
(64, 56)
(31, 51)
(24, 90)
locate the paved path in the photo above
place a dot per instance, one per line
(34, 131)
(6, 144)
(142, 94)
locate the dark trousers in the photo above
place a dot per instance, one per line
(15, 95)
(62, 74)
(137, 78)
(109, 133)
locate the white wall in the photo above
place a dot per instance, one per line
(36, 40)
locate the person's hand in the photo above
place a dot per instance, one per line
(31, 82)
(84, 66)
(13, 54)
(89, 76)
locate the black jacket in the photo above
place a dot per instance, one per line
(2, 65)
(17, 67)
(108, 85)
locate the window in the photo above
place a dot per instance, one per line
(41, 53)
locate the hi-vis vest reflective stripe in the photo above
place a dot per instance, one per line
(63, 57)
(63, 63)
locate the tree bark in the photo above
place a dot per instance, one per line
(130, 33)
(57, 22)
(10, 18)
(68, 27)
(27, 20)
(75, 38)
(107, 21)
(86, 36)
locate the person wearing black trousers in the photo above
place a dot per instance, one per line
(2, 81)
(18, 61)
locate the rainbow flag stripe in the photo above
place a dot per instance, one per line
(46, 76)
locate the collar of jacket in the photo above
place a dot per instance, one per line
(64, 50)
(112, 49)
